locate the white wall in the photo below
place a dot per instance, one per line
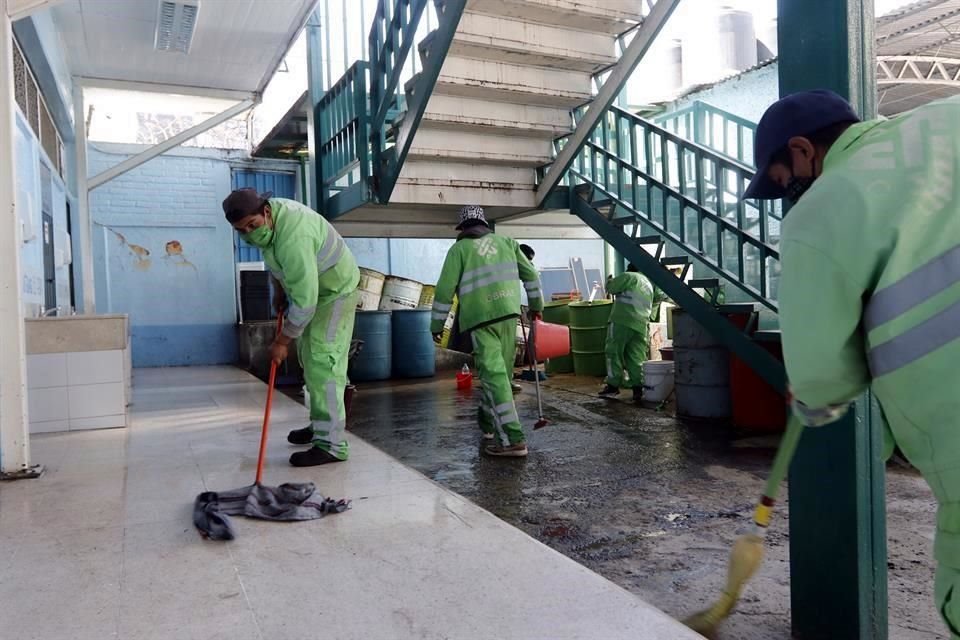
(747, 95)
(29, 207)
(422, 260)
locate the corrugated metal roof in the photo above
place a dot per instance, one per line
(926, 28)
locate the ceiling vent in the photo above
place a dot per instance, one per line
(176, 21)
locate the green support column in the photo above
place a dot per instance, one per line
(838, 579)
(316, 88)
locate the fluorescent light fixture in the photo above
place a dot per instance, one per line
(176, 21)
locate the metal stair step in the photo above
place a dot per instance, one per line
(737, 308)
(603, 202)
(674, 261)
(648, 240)
(704, 283)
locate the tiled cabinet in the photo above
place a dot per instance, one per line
(78, 373)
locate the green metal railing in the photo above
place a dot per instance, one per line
(343, 152)
(690, 195)
(715, 128)
(367, 118)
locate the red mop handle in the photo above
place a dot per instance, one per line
(266, 411)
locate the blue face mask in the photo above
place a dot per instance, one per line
(261, 237)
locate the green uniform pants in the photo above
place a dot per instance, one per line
(323, 349)
(494, 351)
(625, 349)
(946, 592)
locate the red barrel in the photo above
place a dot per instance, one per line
(756, 405)
(550, 340)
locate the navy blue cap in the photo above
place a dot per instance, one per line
(798, 114)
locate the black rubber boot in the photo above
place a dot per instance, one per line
(313, 457)
(300, 436)
(609, 391)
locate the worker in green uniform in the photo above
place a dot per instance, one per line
(870, 287)
(628, 337)
(485, 271)
(316, 276)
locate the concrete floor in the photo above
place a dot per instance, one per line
(102, 545)
(649, 502)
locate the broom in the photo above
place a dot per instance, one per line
(747, 553)
(531, 349)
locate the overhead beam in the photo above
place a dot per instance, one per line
(619, 74)
(20, 9)
(929, 70)
(161, 87)
(174, 141)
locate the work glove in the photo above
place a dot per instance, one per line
(819, 416)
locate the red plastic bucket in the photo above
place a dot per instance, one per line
(464, 380)
(550, 340)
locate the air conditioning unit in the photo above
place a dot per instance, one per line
(176, 23)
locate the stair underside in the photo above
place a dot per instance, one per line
(454, 113)
(507, 40)
(513, 83)
(601, 16)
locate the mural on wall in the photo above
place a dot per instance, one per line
(140, 254)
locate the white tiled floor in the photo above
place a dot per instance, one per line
(102, 545)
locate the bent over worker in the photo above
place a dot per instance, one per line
(628, 337)
(319, 276)
(485, 271)
(870, 286)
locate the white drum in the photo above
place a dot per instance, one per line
(371, 288)
(400, 293)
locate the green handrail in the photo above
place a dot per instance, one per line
(689, 194)
(720, 130)
(343, 153)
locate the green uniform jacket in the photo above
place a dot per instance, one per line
(485, 271)
(870, 291)
(635, 300)
(310, 260)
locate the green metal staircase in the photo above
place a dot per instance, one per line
(665, 202)
(366, 120)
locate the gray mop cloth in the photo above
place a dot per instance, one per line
(288, 502)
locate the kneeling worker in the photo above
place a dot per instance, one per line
(485, 270)
(628, 333)
(310, 261)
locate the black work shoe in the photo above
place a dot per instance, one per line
(609, 391)
(313, 457)
(638, 394)
(300, 436)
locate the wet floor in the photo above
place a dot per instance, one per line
(649, 502)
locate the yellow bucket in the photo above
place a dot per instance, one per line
(426, 296)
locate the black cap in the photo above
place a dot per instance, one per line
(243, 202)
(798, 114)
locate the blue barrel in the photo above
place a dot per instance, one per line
(414, 354)
(374, 360)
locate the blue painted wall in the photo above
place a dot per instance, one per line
(164, 254)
